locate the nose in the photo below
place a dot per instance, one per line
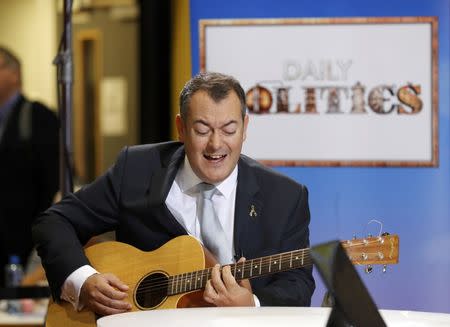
(214, 141)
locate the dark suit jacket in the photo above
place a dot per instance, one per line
(130, 198)
(28, 175)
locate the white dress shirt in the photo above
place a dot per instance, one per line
(184, 198)
(182, 201)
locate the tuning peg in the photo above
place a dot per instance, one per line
(384, 269)
(368, 269)
(385, 234)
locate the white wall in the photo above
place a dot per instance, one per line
(28, 27)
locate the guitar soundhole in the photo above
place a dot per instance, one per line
(151, 291)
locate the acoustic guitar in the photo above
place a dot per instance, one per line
(174, 275)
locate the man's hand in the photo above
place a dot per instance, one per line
(104, 294)
(224, 291)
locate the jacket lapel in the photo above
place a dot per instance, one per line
(8, 129)
(248, 206)
(163, 178)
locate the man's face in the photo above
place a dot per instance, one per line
(8, 81)
(213, 134)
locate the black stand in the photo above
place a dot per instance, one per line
(63, 61)
(353, 305)
(27, 292)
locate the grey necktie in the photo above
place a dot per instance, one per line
(211, 230)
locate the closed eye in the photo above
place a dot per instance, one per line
(230, 128)
(229, 132)
(201, 132)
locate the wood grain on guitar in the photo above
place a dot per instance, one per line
(174, 275)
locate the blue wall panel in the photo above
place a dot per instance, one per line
(411, 202)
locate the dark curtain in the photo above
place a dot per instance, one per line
(155, 39)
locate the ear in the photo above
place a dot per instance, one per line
(16, 78)
(180, 128)
(245, 127)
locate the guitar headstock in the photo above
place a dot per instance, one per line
(379, 250)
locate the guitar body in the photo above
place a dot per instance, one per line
(131, 265)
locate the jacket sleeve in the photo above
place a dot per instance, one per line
(61, 231)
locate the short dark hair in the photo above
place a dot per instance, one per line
(216, 85)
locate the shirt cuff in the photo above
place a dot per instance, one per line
(257, 303)
(70, 291)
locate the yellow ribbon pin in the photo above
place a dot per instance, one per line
(253, 211)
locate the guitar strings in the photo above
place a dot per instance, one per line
(246, 265)
(185, 279)
(157, 288)
(163, 283)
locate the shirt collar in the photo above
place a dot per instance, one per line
(188, 180)
(7, 107)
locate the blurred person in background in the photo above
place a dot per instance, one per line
(28, 161)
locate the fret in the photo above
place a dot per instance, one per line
(287, 261)
(303, 256)
(196, 278)
(296, 259)
(264, 266)
(243, 269)
(279, 266)
(202, 283)
(251, 268)
(180, 283)
(248, 266)
(290, 261)
(234, 272)
(192, 282)
(206, 276)
(275, 262)
(202, 273)
(176, 284)
(188, 281)
(270, 263)
(282, 263)
(238, 269)
(183, 282)
(260, 265)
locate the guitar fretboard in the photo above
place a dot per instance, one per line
(195, 280)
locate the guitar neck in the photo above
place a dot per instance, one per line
(367, 251)
(196, 280)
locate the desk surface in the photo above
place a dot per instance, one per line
(28, 320)
(32, 319)
(264, 316)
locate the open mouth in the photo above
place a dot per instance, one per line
(214, 157)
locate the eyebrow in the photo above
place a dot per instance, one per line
(201, 121)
